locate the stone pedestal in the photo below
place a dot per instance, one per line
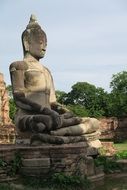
(46, 160)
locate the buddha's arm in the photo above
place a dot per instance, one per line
(17, 79)
(53, 102)
(17, 70)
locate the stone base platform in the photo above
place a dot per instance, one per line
(45, 160)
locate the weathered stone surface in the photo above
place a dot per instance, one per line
(96, 144)
(41, 161)
(92, 151)
(114, 129)
(36, 162)
(99, 170)
(123, 164)
(34, 171)
(97, 177)
(121, 130)
(108, 127)
(90, 168)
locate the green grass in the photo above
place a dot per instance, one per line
(121, 146)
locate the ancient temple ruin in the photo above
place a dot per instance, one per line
(4, 103)
(6, 126)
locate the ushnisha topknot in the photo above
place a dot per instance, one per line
(33, 22)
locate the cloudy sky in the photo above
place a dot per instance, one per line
(87, 39)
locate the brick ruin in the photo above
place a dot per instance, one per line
(114, 129)
(4, 103)
(6, 126)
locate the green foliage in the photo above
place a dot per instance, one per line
(109, 165)
(9, 89)
(12, 109)
(12, 106)
(82, 93)
(118, 96)
(121, 155)
(85, 100)
(3, 164)
(121, 146)
(61, 96)
(58, 181)
(119, 82)
(15, 164)
(61, 180)
(78, 110)
(6, 187)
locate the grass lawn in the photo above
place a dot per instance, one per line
(121, 146)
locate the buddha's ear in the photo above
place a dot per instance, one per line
(26, 44)
(25, 40)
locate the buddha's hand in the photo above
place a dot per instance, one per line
(59, 108)
(56, 118)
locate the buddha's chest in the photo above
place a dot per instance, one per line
(37, 79)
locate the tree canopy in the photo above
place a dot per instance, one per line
(85, 99)
(118, 96)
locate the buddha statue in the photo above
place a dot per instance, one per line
(39, 116)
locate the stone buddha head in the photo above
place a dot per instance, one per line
(34, 39)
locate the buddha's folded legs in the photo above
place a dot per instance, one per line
(88, 125)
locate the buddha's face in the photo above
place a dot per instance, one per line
(36, 43)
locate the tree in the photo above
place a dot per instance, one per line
(119, 83)
(78, 110)
(81, 94)
(88, 97)
(60, 96)
(118, 95)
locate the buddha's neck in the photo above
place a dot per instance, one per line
(30, 58)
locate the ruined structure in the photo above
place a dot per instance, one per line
(113, 128)
(7, 129)
(4, 103)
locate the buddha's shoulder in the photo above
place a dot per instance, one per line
(18, 65)
(47, 70)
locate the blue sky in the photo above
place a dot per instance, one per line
(87, 39)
